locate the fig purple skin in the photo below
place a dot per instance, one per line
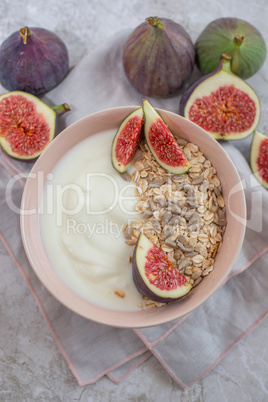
(158, 57)
(33, 60)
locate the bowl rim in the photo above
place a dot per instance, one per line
(65, 295)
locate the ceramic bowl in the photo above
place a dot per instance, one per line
(225, 259)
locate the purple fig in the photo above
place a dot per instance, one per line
(158, 57)
(33, 60)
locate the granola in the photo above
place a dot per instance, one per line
(184, 215)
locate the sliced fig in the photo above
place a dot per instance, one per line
(33, 60)
(259, 158)
(27, 125)
(233, 36)
(158, 57)
(162, 143)
(126, 140)
(154, 275)
(222, 104)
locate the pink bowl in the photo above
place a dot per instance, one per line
(233, 238)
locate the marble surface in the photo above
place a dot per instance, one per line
(31, 365)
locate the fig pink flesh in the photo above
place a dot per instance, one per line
(128, 140)
(164, 144)
(23, 128)
(262, 160)
(226, 110)
(160, 272)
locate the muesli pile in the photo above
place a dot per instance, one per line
(184, 215)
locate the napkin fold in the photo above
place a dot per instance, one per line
(189, 347)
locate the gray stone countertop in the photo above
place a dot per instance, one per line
(31, 366)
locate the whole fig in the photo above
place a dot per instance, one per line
(158, 57)
(33, 60)
(235, 37)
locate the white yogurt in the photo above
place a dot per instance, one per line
(85, 206)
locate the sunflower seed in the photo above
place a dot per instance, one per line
(194, 219)
(198, 180)
(197, 281)
(196, 274)
(127, 232)
(161, 200)
(156, 224)
(174, 209)
(181, 141)
(181, 239)
(147, 213)
(175, 220)
(157, 182)
(190, 253)
(184, 248)
(170, 243)
(191, 203)
(189, 213)
(167, 231)
(184, 263)
(166, 218)
(177, 254)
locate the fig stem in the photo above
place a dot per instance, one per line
(238, 40)
(61, 109)
(25, 33)
(226, 62)
(154, 21)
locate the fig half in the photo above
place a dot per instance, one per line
(27, 125)
(222, 104)
(126, 140)
(154, 275)
(259, 158)
(162, 143)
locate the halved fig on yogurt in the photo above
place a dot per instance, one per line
(126, 140)
(154, 275)
(162, 143)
